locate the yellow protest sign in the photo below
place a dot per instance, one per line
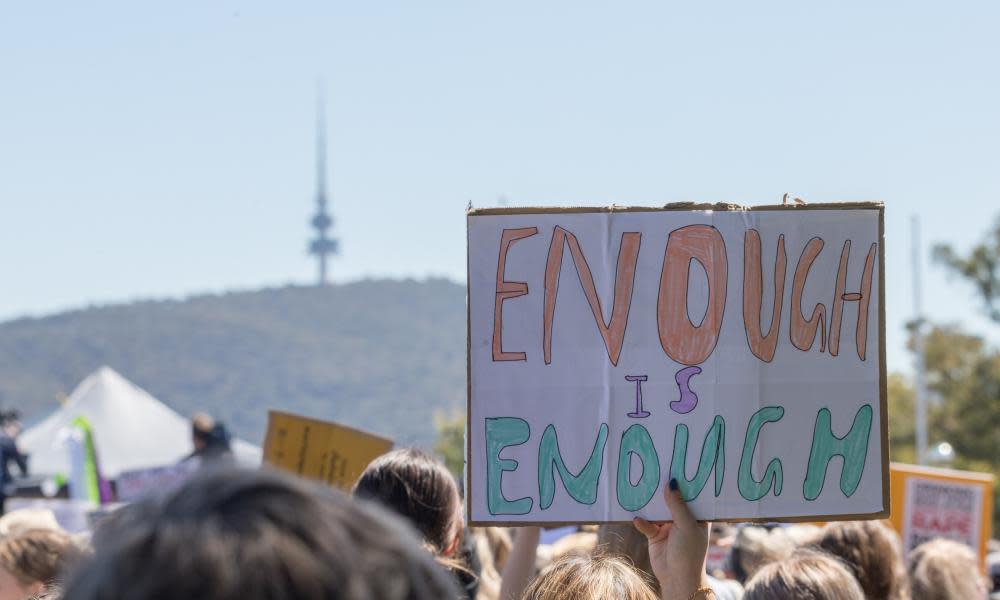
(320, 450)
(932, 503)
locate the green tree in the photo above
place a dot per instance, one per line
(964, 373)
(963, 376)
(902, 436)
(966, 369)
(981, 267)
(450, 442)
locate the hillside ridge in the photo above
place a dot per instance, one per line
(379, 354)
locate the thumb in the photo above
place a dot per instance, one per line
(645, 527)
(678, 507)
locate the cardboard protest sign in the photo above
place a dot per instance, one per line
(739, 351)
(320, 450)
(930, 503)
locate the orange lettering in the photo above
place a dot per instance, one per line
(862, 297)
(684, 342)
(612, 332)
(507, 290)
(763, 347)
(802, 332)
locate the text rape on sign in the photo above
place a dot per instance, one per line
(736, 350)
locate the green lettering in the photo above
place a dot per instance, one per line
(751, 488)
(853, 448)
(500, 433)
(712, 455)
(582, 486)
(636, 441)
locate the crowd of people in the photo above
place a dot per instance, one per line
(232, 534)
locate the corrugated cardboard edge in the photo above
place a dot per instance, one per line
(682, 206)
(919, 470)
(884, 383)
(690, 206)
(467, 463)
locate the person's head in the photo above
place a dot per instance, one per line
(756, 547)
(419, 487)
(871, 551)
(32, 560)
(10, 421)
(202, 425)
(805, 575)
(590, 578)
(944, 570)
(24, 519)
(247, 535)
(627, 542)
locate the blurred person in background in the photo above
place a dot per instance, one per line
(945, 570)
(10, 424)
(230, 534)
(34, 561)
(419, 487)
(24, 519)
(756, 547)
(628, 545)
(871, 551)
(598, 577)
(490, 545)
(211, 440)
(807, 574)
(993, 574)
(678, 554)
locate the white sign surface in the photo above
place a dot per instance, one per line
(610, 351)
(941, 509)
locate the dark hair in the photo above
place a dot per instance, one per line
(233, 534)
(417, 486)
(6, 416)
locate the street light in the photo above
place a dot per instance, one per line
(942, 454)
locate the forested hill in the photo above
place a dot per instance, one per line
(379, 354)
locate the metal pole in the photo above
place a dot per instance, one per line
(918, 346)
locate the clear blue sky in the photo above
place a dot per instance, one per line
(151, 152)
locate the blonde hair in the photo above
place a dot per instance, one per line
(756, 547)
(626, 541)
(944, 569)
(24, 519)
(805, 575)
(202, 422)
(491, 545)
(38, 555)
(590, 578)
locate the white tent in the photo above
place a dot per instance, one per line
(132, 429)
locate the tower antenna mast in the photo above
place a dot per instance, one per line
(323, 245)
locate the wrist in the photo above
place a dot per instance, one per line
(703, 592)
(686, 588)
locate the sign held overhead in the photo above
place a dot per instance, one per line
(739, 351)
(320, 450)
